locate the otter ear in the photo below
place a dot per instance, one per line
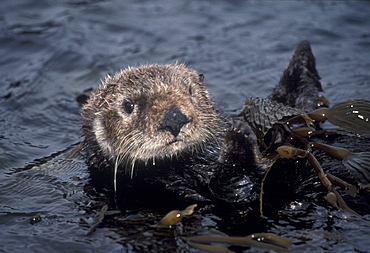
(201, 78)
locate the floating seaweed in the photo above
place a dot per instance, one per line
(264, 240)
(281, 128)
(352, 115)
(175, 216)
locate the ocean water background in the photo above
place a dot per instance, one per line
(51, 51)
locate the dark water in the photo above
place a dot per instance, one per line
(53, 50)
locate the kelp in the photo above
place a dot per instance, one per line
(279, 127)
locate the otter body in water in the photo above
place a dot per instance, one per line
(156, 124)
(159, 120)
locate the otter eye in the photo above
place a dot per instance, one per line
(128, 106)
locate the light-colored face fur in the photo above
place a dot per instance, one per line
(125, 115)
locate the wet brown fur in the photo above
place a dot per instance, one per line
(117, 136)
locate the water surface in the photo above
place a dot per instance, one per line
(51, 51)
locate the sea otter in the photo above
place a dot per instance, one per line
(154, 128)
(157, 123)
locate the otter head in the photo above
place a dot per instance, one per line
(149, 113)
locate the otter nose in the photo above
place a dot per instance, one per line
(173, 121)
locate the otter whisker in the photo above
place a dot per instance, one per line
(132, 169)
(115, 174)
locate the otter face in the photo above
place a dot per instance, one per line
(150, 112)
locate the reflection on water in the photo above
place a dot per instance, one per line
(52, 51)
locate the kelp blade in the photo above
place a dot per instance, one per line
(352, 115)
(359, 165)
(262, 114)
